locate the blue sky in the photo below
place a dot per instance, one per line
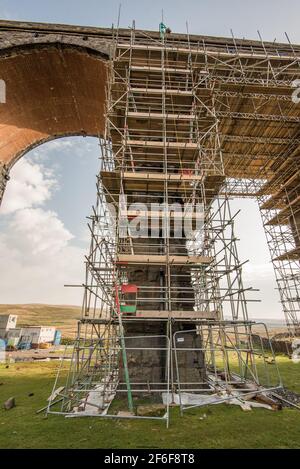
(54, 185)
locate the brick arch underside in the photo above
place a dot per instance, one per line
(51, 91)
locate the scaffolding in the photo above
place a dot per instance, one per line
(280, 214)
(165, 308)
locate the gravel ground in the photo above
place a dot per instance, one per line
(290, 396)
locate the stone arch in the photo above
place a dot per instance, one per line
(53, 90)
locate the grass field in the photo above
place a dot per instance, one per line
(224, 427)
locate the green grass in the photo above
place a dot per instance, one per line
(225, 426)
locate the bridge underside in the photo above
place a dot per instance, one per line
(51, 91)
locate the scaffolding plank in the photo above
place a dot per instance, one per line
(156, 214)
(158, 115)
(203, 52)
(282, 217)
(178, 314)
(276, 200)
(152, 182)
(162, 259)
(148, 68)
(160, 144)
(294, 254)
(159, 91)
(162, 176)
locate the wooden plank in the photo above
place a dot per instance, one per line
(159, 144)
(158, 115)
(275, 201)
(282, 217)
(178, 314)
(197, 51)
(162, 259)
(159, 69)
(294, 254)
(161, 214)
(162, 176)
(173, 92)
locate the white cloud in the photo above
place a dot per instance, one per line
(39, 260)
(30, 185)
(37, 231)
(36, 253)
(65, 146)
(253, 271)
(43, 281)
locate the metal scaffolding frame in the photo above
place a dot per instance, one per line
(279, 214)
(169, 139)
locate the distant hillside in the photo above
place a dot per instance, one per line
(62, 317)
(65, 318)
(271, 321)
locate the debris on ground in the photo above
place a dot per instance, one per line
(123, 413)
(153, 410)
(221, 397)
(10, 403)
(265, 399)
(286, 397)
(55, 393)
